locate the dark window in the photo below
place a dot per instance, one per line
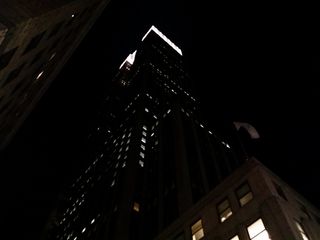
(224, 210)
(37, 56)
(244, 194)
(305, 211)
(180, 236)
(55, 44)
(56, 29)
(34, 42)
(14, 74)
(280, 191)
(6, 57)
(317, 219)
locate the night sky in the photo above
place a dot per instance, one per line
(246, 63)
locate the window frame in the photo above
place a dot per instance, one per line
(239, 197)
(197, 230)
(224, 209)
(264, 230)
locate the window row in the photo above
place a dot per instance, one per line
(255, 231)
(244, 195)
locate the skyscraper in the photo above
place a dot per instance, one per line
(154, 154)
(36, 39)
(159, 171)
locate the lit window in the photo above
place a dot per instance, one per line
(123, 164)
(127, 148)
(142, 154)
(302, 231)
(210, 132)
(143, 147)
(224, 210)
(156, 142)
(136, 206)
(141, 163)
(39, 75)
(152, 134)
(197, 230)
(145, 127)
(257, 231)
(92, 221)
(226, 144)
(169, 110)
(235, 238)
(144, 133)
(129, 134)
(244, 194)
(112, 184)
(52, 56)
(143, 140)
(146, 109)
(201, 125)
(128, 141)
(83, 230)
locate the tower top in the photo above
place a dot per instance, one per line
(160, 34)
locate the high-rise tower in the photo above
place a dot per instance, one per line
(155, 155)
(160, 172)
(37, 37)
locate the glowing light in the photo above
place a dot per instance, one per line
(136, 206)
(160, 34)
(92, 221)
(52, 56)
(141, 163)
(39, 75)
(130, 59)
(72, 15)
(83, 230)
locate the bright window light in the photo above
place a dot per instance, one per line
(141, 163)
(235, 238)
(39, 75)
(224, 210)
(136, 206)
(257, 231)
(197, 230)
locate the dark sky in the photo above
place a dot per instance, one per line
(247, 63)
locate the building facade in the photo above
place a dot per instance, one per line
(159, 171)
(36, 39)
(251, 203)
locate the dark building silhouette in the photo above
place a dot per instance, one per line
(37, 37)
(160, 172)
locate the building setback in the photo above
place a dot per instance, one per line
(37, 37)
(159, 171)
